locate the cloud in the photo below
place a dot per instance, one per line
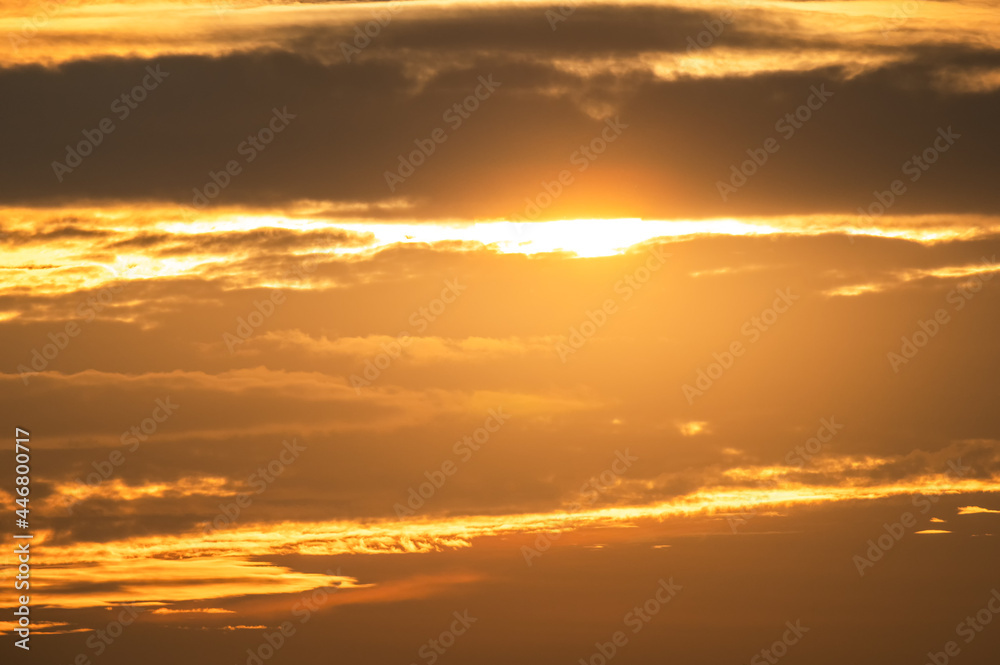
(156, 582)
(354, 121)
(975, 510)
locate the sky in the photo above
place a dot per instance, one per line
(487, 332)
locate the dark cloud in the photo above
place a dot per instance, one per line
(353, 120)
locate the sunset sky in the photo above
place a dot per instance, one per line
(502, 332)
